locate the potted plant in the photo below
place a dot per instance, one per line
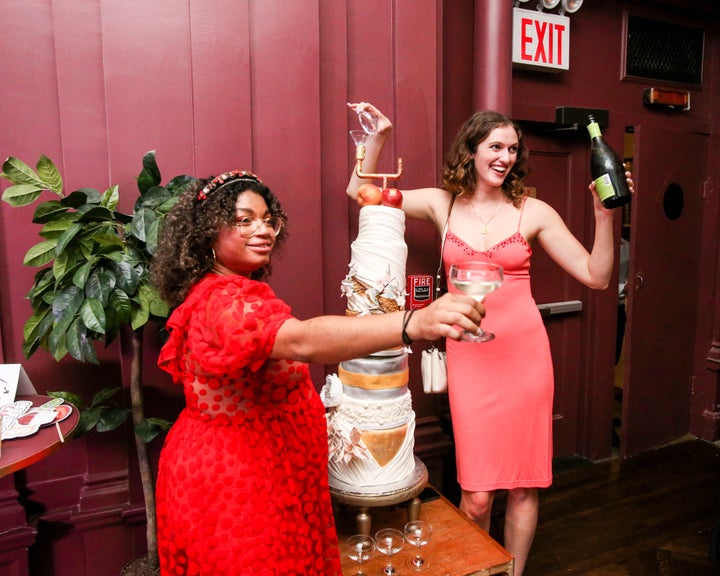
(93, 282)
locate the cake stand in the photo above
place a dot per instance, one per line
(365, 498)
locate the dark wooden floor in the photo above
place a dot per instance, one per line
(652, 515)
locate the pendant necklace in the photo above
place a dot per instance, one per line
(484, 227)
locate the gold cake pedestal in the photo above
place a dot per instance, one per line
(364, 499)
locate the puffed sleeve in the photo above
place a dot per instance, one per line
(227, 324)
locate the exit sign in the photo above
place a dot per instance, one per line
(541, 40)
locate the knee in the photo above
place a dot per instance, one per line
(523, 496)
(477, 505)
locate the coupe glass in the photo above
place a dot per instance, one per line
(476, 279)
(389, 541)
(360, 548)
(418, 533)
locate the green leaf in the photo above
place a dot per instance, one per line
(120, 302)
(99, 285)
(111, 418)
(149, 428)
(48, 211)
(37, 326)
(82, 197)
(18, 172)
(66, 237)
(127, 277)
(49, 174)
(55, 227)
(73, 340)
(151, 237)
(57, 345)
(111, 197)
(88, 350)
(97, 214)
(178, 184)
(64, 265)
(150, 174)
(40, 254)
(67, 302)
(21, 194)
(93, 315)
(80, 277)
(158, 306)
(104, 395)
(89, 418)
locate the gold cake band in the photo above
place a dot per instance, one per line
(374, 381)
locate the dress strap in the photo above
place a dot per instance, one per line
(522, 209)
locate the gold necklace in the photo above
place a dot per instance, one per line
(484, 227)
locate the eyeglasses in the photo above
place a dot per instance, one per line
(249, 226)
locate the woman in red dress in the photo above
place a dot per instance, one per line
(242, 484)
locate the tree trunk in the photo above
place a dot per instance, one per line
(148, 483)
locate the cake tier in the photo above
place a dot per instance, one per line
(370, 457)
(380, 410)
(376, 283)
(382, 372)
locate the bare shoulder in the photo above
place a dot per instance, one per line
(537, 217)
(427, 204)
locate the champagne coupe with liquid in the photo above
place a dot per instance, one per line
(418, 533)
(389, 541)
(360, 548)
(476, 279)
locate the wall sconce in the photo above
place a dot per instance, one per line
(567, 6)
(570, 6)
(663, 98)
(547, 4)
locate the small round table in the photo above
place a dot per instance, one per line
(18, 453)
(364, 499)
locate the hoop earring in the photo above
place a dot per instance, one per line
(213, 253)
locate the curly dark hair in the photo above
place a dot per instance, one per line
(459, 175)
(184, 252)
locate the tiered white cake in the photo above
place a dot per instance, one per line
(371, 423)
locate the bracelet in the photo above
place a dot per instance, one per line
(406, 320)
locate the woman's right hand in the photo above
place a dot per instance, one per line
(384, 125)
(446, 317)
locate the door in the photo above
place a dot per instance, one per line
(665, 245)
(575, 316)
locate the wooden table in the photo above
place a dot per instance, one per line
(458, 546)
(18, 453)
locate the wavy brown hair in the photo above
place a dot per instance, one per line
(459, 175)
(184, 253)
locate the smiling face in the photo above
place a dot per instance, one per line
(235, 254)
(495, 156)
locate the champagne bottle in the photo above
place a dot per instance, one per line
(607, 170)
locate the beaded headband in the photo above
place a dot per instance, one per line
(226, 178)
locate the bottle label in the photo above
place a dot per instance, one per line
(604, 187)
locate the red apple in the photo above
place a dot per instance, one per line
(369, 194)
(392, 197)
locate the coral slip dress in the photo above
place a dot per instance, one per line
(501, 391)
(242, 484)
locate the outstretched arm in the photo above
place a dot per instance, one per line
(330, 339)
(594, 268)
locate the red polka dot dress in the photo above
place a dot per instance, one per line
(242, 483)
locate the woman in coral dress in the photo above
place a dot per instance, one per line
(243, 484)
(500, 391)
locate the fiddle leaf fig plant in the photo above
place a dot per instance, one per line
(94, 280)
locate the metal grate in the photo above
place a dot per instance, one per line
(664, 51)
